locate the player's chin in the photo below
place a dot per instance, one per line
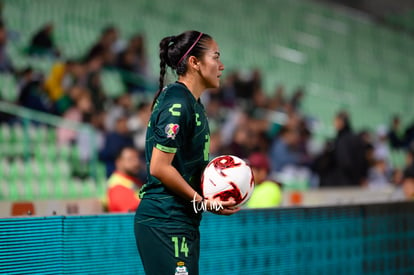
(214, 84)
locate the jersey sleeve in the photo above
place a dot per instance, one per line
(173, 124)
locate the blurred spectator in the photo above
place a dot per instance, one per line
(296, 99)
(107, 47)
(409, 136)
(408, 182)
(259, 100)
(113, 142)
(235, 119)
(395, 134)
(215, 144)
(348, 155)
(267, 193)
(123, 186)
(381, 149)
(284, 150)
(137, 46)
(93, 67)
(68, 99)
(365, 154)
(238, 145)
(133, 62)
(122, 107)
(83, 106)
(379, 175)
(62, 76)
(277, 105)
(323, 164)
(6, 65)
(380, 172)
(248, 84)
(409, 158)
(228, 90)
(30, 93)
(278, 101)
(42, 43)
(305, 136)
(91, 140)
(137, 125)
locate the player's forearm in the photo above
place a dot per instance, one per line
(172, 179)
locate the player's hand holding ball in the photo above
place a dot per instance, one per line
(220, 207)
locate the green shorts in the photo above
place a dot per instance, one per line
(166, 251)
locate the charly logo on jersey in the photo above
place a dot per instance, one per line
(172, 130)
(181, 269)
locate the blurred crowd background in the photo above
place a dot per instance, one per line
(246, 114)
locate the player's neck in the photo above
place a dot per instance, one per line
(192, 84)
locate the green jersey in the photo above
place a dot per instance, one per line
(178, 125)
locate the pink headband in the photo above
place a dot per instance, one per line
(189, 50)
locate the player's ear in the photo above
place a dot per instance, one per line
(193, 63)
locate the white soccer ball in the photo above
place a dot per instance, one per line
(228, 177)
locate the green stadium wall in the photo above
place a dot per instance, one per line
(359, 239)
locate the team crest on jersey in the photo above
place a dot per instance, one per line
(181, 269)
(172, 130)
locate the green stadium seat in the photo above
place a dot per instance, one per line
(4, 149)
(74, 188)
(17, 133)
(5, 133)
(398, 159)
(21, 189)
(4, 168)
(13, 194)
(8, 87)
(112, 83)
(4, 190)
(89, 189)
(46, 190)
(61, 188)
(64, 151)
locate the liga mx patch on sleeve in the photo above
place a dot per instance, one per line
(172, 130)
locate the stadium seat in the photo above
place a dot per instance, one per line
(8, 87)
(112, 83)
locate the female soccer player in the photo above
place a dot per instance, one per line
(177, 151)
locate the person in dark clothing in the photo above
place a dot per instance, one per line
(297, 98)
(42, 43)
(348, 156)
(409, 137)
(323, 164)
(113, 143)
(30, 93)
(246, 87)
(93, 81)
(133, 64)
(105, 47)
(408, 181)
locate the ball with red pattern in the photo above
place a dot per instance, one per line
(228, 177)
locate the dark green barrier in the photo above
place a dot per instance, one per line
(369, 239)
